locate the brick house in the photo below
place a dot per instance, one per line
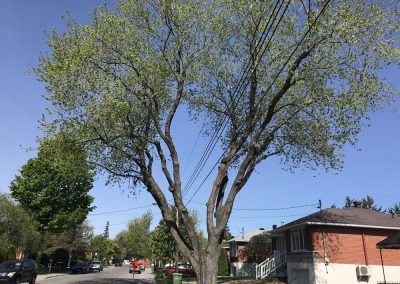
(239, 264)
(335, 246)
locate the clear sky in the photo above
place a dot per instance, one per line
(373, 170)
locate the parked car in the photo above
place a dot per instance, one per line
(186, 270)
(118, 263)
(96, 265)
(81, 267)
(18, 271)
(134, 267)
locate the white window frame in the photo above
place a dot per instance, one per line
(297, 240)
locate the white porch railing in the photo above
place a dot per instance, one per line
(270, 265)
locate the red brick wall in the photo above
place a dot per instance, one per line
(348, 246)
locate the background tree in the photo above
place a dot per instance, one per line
(116, 253)
(223, 264)
(163, 245)
(370, 204)
(101, 247)
(395, 210)
(269, 78)
(120, 241)
(17, 231)
(107, 230)
(348, 202)
(76, 241)
(258, 248)
(137, 236)
(367, 202)
(227, 233)
(54, 186)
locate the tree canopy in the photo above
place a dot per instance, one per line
(294, 79)
(136, 239)
(258, 248)
(101, 247)
(54, 186)
(17, 230)
(75, 240)
(162, 243)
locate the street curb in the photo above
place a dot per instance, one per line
(48, 276)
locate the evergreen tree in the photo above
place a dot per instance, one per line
(368, 202)
(395, 210)
(348, 202)
(227, 233)
(223, 264)
(107, 230)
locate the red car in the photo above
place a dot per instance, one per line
(186, 270)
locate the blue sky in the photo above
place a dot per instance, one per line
(374, 170)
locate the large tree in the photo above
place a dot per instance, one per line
(295, 79)
(54, 186)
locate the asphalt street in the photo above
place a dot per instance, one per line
(110, 275)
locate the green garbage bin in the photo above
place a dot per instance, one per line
(176, 278)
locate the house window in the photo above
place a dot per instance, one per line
(233, 249)
(281, 243)
(297, 240)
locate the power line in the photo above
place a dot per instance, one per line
(274, 209)
(236, 100)
(203, 160)
(236, 95)
(122, 210)
(267, 209)
(222, 122)
(270, 86)
(267, 216)
(127, 214)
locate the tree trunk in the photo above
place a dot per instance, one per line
(208, 270)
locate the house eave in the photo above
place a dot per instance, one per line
(394, 246)
(332, 224)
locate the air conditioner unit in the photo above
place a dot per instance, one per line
(363, 270)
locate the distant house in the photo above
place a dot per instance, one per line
(335, 246)
(238, 264)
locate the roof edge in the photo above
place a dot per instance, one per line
(335, 224)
